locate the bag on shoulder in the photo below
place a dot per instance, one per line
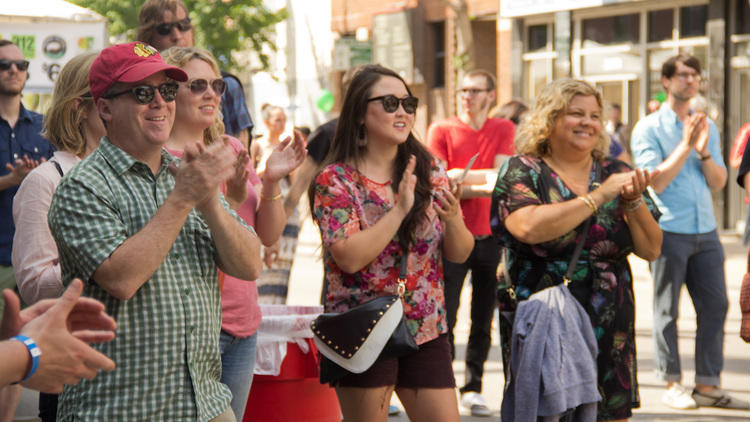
(352, 341)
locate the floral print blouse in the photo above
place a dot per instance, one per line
(345, 202)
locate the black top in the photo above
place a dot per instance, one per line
(320, 141)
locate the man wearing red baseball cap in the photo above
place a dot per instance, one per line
(147, 233)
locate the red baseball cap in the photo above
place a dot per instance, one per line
(128, 63)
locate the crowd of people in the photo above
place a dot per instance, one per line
(143, 225)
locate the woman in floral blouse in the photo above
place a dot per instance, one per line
(543, 197)
(381, 198)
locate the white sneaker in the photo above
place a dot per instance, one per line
(678, 397)
(474, 402)
(719, 398)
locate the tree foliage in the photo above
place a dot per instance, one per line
(222, 26)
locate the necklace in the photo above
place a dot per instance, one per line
(576, 182)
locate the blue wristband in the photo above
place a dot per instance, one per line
(34, 351)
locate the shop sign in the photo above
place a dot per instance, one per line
(348, 52)
(515, 8)
(49, 45)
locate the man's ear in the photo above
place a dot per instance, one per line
(104, 109)
(492, 96)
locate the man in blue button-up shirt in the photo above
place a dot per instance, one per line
(681, 146)
(21, 147)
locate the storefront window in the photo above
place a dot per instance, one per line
(611, 63)
(742, 17)
(693, 21)
(537, 38)
(611, 30)
(537, 75)
(660, 23)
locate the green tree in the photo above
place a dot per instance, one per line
(222, 26)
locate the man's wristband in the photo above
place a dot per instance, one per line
(34, 351)
(705, 157)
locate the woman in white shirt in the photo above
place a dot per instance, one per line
(73, 125)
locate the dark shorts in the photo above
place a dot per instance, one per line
(429, 367)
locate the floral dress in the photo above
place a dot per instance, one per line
(346, 202)
(602, 281)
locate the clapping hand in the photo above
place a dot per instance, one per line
(695, 132)
(23, 166)
(237, 184)
(638, 182)
(406, 186)
(287, 156)
(446, 203)
(61, 328)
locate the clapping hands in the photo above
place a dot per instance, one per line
(287, 156)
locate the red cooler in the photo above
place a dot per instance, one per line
(295, 394)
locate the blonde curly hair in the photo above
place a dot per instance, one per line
(533, 133)
(179, 57)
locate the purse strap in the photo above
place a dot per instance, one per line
(567, 278)
(402, 274)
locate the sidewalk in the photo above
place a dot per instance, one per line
(305, 285)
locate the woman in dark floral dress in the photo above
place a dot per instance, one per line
(543, 196)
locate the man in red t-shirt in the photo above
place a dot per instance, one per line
(455, 141)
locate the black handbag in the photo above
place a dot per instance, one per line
(352, 341)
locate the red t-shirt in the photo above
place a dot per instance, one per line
(455, 142)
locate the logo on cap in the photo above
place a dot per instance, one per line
(143, 50)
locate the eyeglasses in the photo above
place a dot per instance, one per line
(21, 65)
(144, 94)
(391, 103)
(165, 29)
(685, 75)
(472, 91)
(200, 85)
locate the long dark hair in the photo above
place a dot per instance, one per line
(346, 148)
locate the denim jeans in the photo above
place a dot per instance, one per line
(483, 263)
(237, 362)
(696, 260)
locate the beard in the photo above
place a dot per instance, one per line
(11, 91)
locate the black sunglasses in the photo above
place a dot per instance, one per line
(391, 102)
(164, 29)
(21, 65)
(144, 94)
(200, 85)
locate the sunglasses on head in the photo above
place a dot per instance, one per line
(144, 94)
(391, 102)
(21, 65)
(164, 29)
(200, 85)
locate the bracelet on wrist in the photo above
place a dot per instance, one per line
(631, 204)
(34, 351)
(270, 198)
(589, 201)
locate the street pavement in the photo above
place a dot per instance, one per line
(305, 286)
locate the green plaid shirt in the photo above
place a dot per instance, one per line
(167, 343)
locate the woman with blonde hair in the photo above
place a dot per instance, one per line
(561, 178)
(198, 120)
(73, 125)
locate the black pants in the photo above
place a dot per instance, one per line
(483, 263)
(47, 407)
